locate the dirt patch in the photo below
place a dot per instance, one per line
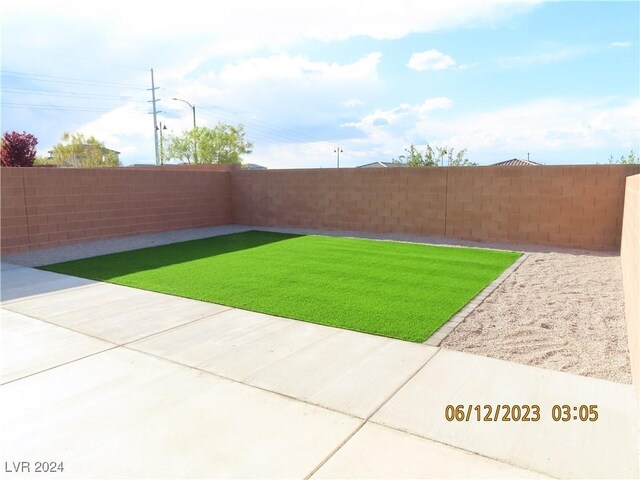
(559, 311)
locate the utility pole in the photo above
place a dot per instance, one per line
(527, 156)
(155, 116)
(338, 151)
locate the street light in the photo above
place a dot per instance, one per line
(193, 109)
(338, 151)
(161, 128)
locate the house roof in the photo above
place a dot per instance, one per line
(254, 166)
(515, 162)
(380, 165)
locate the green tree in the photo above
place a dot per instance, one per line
(76, 150)
(181, 147)
(416, 158)
(433, 157)
(40, 160)
(630, 159)
(222, 144)
(460, 159)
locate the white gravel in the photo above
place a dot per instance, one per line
(561, 309)
(558, 311)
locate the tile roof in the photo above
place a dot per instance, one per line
(381, 165)
(515, 162)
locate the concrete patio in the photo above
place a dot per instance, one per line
(119, 382)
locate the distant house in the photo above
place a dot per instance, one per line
(381, 165)
(253, 166)
(516, 162)
(138, 165)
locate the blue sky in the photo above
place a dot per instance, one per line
(557, 80)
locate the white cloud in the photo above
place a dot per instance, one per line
(284, 155)
(317, 154)
(286, 67)
(284, 88)
(388, 132)
(128, 129)
(430, 60)
(432, 104)
(352, 103)
(400, 115)
(620, 44)
(245, 26)
(547, 124)
(544, 125)
(557, 129)
(547, 56)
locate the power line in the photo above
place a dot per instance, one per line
(50, 93)
(256, 129)
(258, 132)
(74, 57)
(262, 125)
(279, 133)
(67, 80)
(261, 129)
(62, 108)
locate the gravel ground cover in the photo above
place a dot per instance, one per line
(563, 311)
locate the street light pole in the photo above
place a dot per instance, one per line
(193, 109)
(338, 151)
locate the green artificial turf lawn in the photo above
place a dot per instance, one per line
(398, 290)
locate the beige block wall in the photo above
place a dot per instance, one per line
(574, 206)
(630, 257)
(48, 207)
(374, 200)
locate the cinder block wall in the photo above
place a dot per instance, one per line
(630, 257)
(48, 207)
(577, 206)
(374, 200)
(567, 206)
(574, 206)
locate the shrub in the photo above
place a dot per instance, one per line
(18, 149)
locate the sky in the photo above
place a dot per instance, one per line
(558, 81)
